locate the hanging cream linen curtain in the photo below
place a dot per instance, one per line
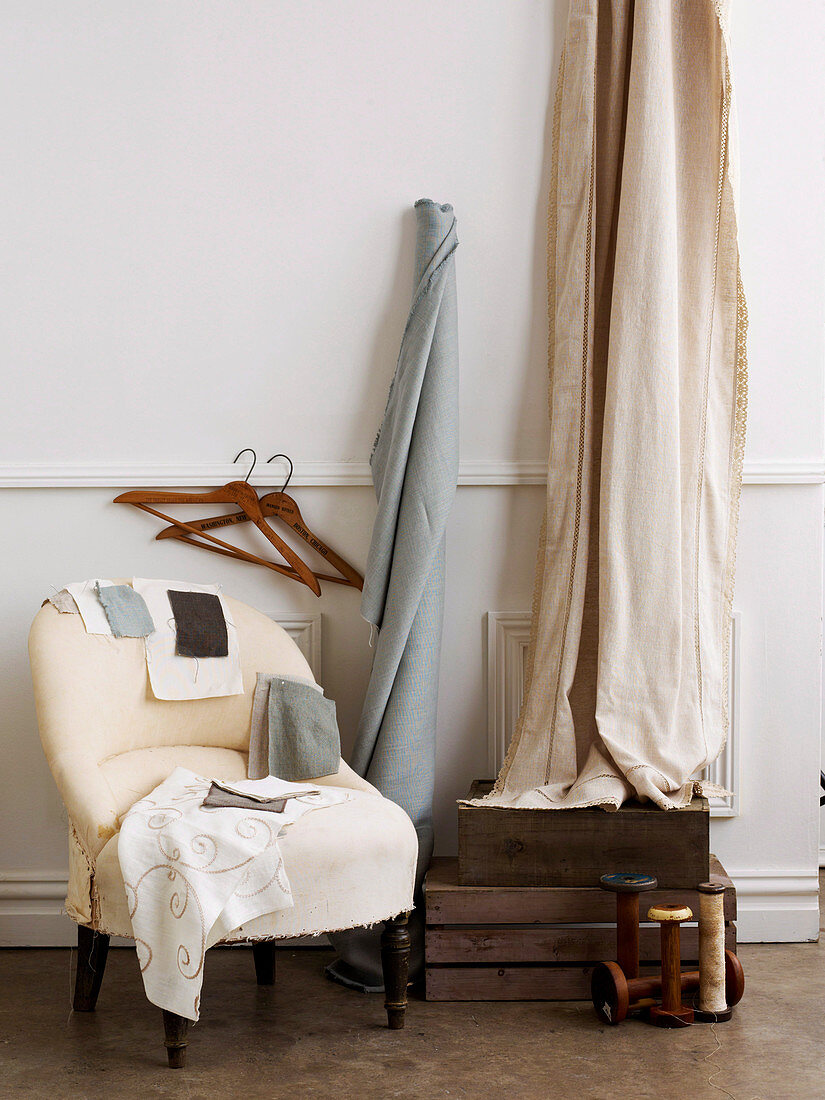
(627, 668)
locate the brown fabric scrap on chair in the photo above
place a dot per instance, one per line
(220, 797)
(200, 625)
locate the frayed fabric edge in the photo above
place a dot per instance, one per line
(232, 938)
(608, 804)
(699, 789)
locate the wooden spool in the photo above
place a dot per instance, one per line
(671, 1012)
(627, 888)
(614, 997)
(711, 940)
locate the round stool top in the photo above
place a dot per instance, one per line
(710, 888)
(676, 913)
(624, 883)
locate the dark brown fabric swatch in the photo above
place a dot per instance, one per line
(200, 625)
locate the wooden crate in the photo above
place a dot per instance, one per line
(501, 847)
(536, 943)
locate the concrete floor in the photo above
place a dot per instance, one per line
(309, 1038)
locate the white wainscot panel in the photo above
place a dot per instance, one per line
(305, 631)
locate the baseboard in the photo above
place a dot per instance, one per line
(822, 857)
(31, 910)
(776, 906)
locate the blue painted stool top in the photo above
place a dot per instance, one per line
(627, 883)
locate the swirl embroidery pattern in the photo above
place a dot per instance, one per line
(194, 873)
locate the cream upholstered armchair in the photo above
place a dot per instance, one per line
(109, 742)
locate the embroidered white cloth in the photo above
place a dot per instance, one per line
(193, 874)
(88, 603)
(626, 684)
(174, 677)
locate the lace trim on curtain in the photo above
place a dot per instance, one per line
(585, 350)
(740, 414)
(538, 587)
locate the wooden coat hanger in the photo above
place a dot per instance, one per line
(234, 492)
(283, 506)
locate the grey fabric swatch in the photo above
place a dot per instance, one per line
(63, 601)
(258, 763)
(126, 610)
(199, 623)
(294, 731)
(220, 797)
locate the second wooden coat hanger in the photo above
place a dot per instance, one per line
(278, 504)
(234, 492)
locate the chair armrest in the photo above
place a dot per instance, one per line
(346, 777)
(64, 733)
(87, 797)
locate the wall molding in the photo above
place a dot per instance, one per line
(197, 474)
(776, 906)
(305, 631)
(508, 635)
(31, 909)
(764, 472)
(725, 768)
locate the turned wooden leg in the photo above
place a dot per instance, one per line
(92, 949)
(395, 962)
(175, 1041)
(264, 955)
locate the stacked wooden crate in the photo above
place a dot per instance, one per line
(538, 924)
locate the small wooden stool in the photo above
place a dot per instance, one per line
(671, 1012)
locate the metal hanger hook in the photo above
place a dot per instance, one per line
(254, 461)
(291, 468)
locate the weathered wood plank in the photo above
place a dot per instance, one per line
(502, 847)
(518, 983)
(582, 944)
(449, 903)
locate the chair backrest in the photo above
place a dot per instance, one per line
(109, 741)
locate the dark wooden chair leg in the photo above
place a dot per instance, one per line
(264, 955)
(175, 1041)
(92, 949)
(395, 962)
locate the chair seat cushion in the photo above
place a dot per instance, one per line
(349, 865)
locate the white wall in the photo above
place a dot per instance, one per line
(207, 234)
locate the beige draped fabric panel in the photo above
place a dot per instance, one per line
(626, 692)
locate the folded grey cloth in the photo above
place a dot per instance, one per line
(126, 610)
(199, 624)
(294, 731)
(220, 797)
